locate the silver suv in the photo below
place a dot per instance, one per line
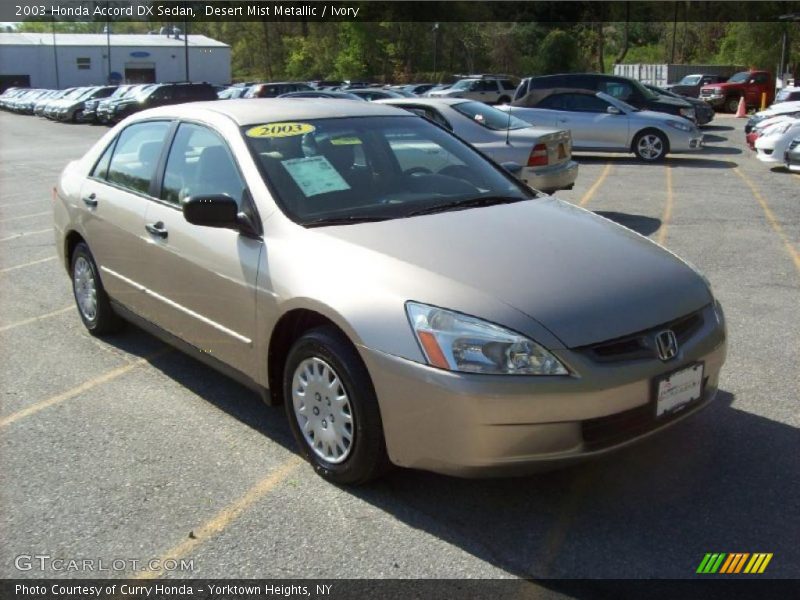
(486, 88)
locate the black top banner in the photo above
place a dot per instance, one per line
(398, 11)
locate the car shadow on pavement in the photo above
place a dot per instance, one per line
(639, 223)
(705, 128)
(710, 138)
(723, 481)
(696, 161)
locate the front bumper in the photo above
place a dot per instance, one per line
(484, 425)
(550, 179)
(684, 141)
(792, 159)
(714, 101)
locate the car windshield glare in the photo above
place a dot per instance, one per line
(488, 116)
(346, 170)
(464, 84)
(690, 80)
(739, 77)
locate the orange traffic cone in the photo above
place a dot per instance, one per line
(741, 110)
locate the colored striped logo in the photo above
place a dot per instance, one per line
(736, 562)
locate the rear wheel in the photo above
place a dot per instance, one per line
(332, 408)
(650, 145)
(92, 301)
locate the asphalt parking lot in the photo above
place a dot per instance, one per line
(123, 449)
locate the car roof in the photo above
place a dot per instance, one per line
(252, 111)
(425, 101)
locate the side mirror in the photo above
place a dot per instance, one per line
(212, 211)
(613, 110)
(512, 167)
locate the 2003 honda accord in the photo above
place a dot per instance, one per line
(446, 318)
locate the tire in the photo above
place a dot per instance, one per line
(650, 145)
(91, 299)
(76, 116)
(315, 361)
(732, 104)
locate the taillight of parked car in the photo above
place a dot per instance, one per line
(538, 157)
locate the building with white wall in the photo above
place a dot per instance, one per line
(45, 60)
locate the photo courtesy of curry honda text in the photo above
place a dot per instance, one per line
(409, 301)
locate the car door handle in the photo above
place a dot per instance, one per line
(157, 229)
(90, 200)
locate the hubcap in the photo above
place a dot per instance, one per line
(85, 288)
(323, 410)
(650, 147)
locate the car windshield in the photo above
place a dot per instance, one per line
(143, 91)
(690, 80)
(463, 84)
(76, 93)
(346, 170)
(488, 116)
(740, 77)
(644, 91)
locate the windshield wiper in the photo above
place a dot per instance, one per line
(348, 220)
(464, 204)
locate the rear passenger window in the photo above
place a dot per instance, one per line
(200, 164)
(136, 155)
(100, 170)
(617, 89)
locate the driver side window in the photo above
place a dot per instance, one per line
(200, 164)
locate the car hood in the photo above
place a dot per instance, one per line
(667, 100)
(582, 277)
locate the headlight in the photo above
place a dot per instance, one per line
(679, 125)
(687, 112)
(457, 342)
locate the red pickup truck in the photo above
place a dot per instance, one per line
(748, 84)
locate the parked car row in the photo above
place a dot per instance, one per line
(774, 134)
(102, 104)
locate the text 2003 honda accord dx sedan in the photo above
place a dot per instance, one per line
(442, 317)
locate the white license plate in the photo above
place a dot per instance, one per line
(679, 388)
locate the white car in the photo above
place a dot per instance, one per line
(602, 123)
(773, 144)
(542, 157)
(491, 90)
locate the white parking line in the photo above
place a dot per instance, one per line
(28, 264)
(49, 315)
(41, 214)
(24, 234)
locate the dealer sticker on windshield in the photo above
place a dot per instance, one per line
(678, 389)
(279, 130)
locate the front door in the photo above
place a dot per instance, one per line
(204, 278)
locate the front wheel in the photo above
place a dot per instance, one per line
(92, 301)
(732, 104)
(650, 146)
(332, 408)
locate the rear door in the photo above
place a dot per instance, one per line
(203, 278)
(114, 199)
(592, 126)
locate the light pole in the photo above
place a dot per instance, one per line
(435, 45)
(55, 55)
(794, 17)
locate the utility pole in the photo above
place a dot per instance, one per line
(435, 45)
(186, 46)
(55, 56)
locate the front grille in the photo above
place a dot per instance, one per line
(641, 345)
(605, 432)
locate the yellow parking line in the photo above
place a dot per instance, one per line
(41, 214)
(595, 186)
(28, 264)
(776, 226)
(49, 315)
(87, 385)
(226, 516)
(24, 234)
(665, 218)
